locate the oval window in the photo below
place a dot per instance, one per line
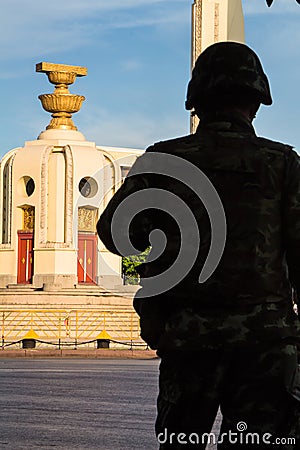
(88, 187)
(26, 186)
(29, 187)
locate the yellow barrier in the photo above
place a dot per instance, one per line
(76, 325)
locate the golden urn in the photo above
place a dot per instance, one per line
(62, 104)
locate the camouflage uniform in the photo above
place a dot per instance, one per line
(247, 382)
(231, 341)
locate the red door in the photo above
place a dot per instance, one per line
(87, 258)
(25, 258)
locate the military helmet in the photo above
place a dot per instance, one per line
(227, 69)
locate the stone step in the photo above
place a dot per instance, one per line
(20, 287)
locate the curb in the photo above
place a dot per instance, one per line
(97, 353)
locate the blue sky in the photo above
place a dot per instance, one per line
(138, 58)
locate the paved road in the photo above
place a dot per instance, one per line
(78, 404)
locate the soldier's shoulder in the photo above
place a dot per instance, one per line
(276, 146)
(171, 144)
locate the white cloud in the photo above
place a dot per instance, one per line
(278, 42)
(32, 40)
(130, 65)
(40, 12)
(16, 10)
(131, 130)
(30, 28)
(173, 17)
(11, 74)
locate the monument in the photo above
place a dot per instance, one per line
(214, 21)
(52, 192)
(57, 281)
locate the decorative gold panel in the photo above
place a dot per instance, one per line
(28, 217)
(87, 219)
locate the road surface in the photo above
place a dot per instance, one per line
(78, 404)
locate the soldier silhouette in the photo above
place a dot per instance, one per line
(229, 342)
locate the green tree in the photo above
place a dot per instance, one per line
(129, 265)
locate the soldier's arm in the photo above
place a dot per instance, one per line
(139, 229)
(291, 228)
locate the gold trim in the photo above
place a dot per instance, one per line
(217, 23)
(196, 30)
